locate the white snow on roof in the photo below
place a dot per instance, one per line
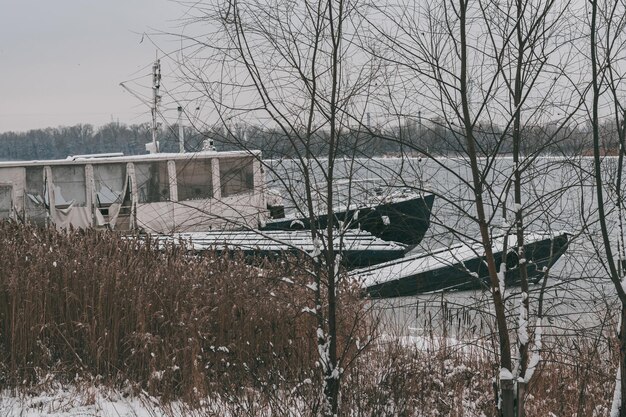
(132, 158)
(277, 240)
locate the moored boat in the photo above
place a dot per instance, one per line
(403, 219)
(358, 248)
(153, 193)
(459, 267)
(165, 193)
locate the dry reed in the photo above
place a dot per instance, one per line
(97, 305)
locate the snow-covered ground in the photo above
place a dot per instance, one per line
(71, 402)
(91, 401)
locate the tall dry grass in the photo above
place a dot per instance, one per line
(116, 309)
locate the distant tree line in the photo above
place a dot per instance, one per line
(60, 142)
(362, 141)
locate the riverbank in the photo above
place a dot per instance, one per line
(93, 324)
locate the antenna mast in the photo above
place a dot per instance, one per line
(156, 99)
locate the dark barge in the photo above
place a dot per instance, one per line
(403, 220)
(460, 267)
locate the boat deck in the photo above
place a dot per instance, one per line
(359, 248)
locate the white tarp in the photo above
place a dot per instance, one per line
(67, 188)
(111, 187)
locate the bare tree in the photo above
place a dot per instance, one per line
(289, 66)
(492, 70)
(606, 50)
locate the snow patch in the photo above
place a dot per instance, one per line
(317, 248)
(320, 333)
(72, 402)
(617, 394)
(158, 375)
(501, 279)
(536, 352)
(505, 375)
(296, 224)
(522, 332)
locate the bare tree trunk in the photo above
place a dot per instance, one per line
(619, 402)
(622, 365)
(333, 373)
(506, 382)
(519, 218)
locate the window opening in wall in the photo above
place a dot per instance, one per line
(153, 184)
(194, 179)
(69, 186)
(109, 182)
(236, 176)
(6, 201)
(35, 199)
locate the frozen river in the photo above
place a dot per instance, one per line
(558, 195)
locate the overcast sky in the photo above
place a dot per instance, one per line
(61, 61)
